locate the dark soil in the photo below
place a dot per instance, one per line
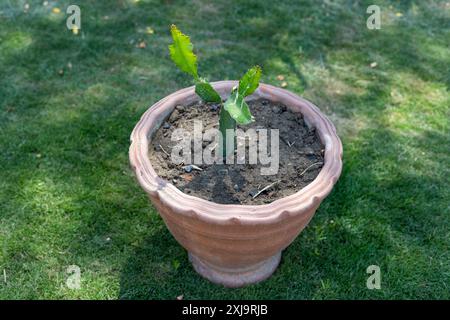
(300, 158)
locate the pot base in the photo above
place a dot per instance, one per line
(234, 278)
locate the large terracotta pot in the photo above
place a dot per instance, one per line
(234, 245)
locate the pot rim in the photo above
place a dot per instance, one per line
(295, 204)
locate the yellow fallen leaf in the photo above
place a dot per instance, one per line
(399, 14)
(280, 77)
(373, 64)
(284, 84)
(56, 10)
(75, 30)
(149, 30)
(187, 177)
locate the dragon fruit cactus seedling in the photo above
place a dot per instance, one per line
(234, 110)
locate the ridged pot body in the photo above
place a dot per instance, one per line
(234, 245)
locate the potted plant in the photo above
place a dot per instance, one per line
(233, 222)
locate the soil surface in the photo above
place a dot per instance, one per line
(300, 156)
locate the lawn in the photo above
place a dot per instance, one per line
(68, 103)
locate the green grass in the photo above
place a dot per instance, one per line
(67, 195)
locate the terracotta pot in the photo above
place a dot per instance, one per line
(234, 245)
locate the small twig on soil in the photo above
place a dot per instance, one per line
(287, 142)
(164, 150)
(304, 171)
(196, 167)
(265, 188)
(4, 275)
(284, 140)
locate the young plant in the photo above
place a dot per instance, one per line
(235, 109)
